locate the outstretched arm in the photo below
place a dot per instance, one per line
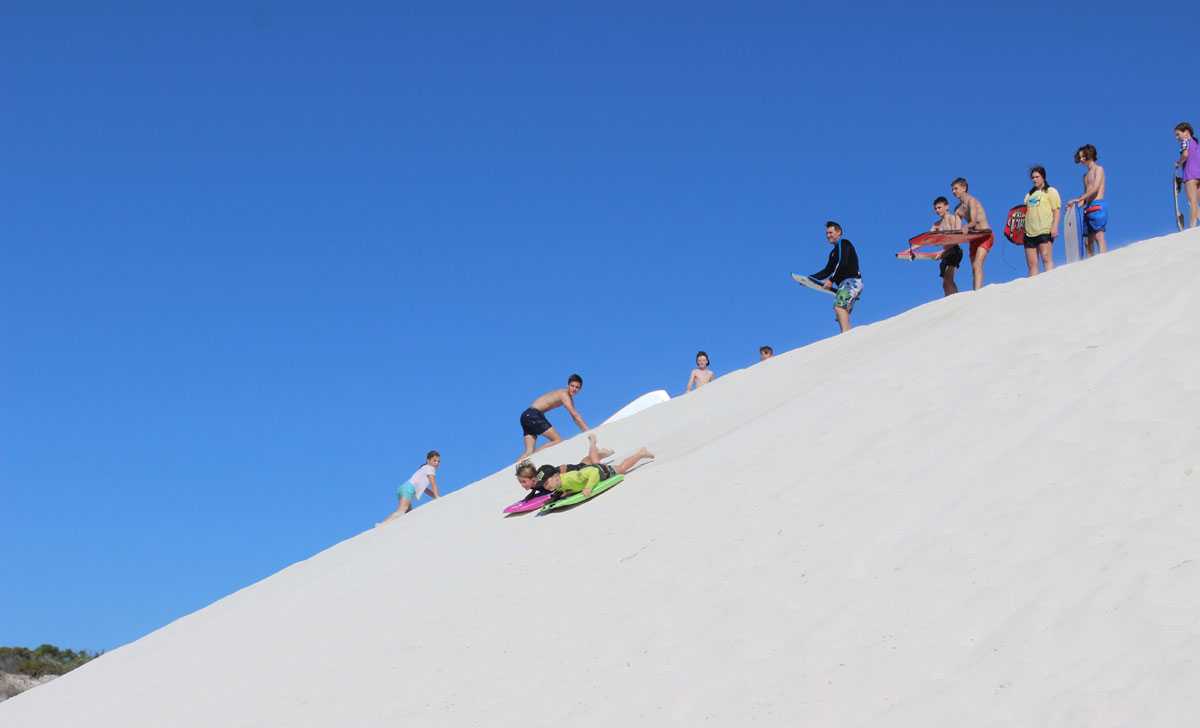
(433, 489)
(570, 405)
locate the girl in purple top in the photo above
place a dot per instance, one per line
(1189, 167)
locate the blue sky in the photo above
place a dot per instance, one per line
(257, 261)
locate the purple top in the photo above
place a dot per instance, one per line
(1191, 168)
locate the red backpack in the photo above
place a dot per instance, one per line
(1014, 227)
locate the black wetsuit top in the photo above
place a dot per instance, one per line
(842, 264)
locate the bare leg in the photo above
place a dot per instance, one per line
(843, 318)
(401, 509)
(550, 435)
(1193, 195)
(529, 442)
(1090, 244)
(977, 266)
(627, 464)
(596, 455)
(1047, 252)
(949, 287)
(1031, 261)
(1100, 241)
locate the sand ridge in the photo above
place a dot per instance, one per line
(980, 512)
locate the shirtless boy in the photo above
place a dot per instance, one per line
(701, 375)
(533, 420)
(972, 213)
(1095, 209)
(952, 255)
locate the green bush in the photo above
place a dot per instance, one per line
(44, 660)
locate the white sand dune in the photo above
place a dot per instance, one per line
(984, 512)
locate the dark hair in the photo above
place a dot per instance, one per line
(575, 378)
(960, 181)
(432, 454)
(1087, 151)
(1184, 126)
(765, 350)
(1042, 171)
(703, 354)
(941, 201)
(832, 224)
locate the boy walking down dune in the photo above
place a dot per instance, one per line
(840, 275)
(533, 420)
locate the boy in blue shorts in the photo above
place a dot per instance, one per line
(840, 275)
(533, 420)
(1093, 210)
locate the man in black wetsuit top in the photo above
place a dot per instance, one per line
(840, 275)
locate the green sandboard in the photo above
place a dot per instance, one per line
(574, 500)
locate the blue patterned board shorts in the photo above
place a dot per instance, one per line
(1095, 217)
(847, 293)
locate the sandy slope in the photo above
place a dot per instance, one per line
(983, 512)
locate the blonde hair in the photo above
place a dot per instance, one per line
(525, 469)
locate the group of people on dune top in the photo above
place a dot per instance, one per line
(842, 276)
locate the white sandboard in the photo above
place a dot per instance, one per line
(1071, 238)
(646, 401)
(808, 283)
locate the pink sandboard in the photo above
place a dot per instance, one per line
(529, 504)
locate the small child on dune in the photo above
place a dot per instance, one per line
(410, 490)
(533, 478)
(701, 375)
(577, 479)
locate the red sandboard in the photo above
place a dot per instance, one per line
(938, 241)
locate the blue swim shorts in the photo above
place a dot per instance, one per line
(1095, 217)
(407, 490)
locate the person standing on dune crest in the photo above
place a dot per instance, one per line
(1189, 168)
(1095, 209)
(533, 420)
(840, 275)
(975, 221)
(952, 255)
(1043, 212)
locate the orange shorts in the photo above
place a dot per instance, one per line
(986, 243)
